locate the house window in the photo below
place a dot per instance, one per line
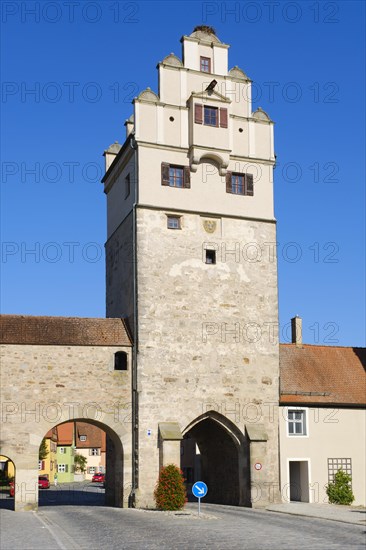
(41, 465)
(94, 452)
(336, 464)
(175, 176)
(62, 450)
(239, 184)
(210, 256)
(210, 116)
(91, 470)
(205, 64)
(127, 186)
(296, 421)
(120, 360)
(82, 437)
(173, 222)
(62, 468)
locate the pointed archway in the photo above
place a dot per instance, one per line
(216, 452)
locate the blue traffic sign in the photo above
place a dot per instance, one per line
(199, 489)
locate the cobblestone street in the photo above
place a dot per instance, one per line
(82, 527)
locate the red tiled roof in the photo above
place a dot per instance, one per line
(63, 331)
(322, 374)
(95, 437)
(65, 433)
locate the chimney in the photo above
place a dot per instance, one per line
(296, 330)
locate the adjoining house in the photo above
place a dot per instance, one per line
(65, 452)
(47, 465)
(322, 418)
(90, 442)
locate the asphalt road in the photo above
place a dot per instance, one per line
(89, 525)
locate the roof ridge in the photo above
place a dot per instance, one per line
(295, 346)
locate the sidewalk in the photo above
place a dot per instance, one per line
(333, 512)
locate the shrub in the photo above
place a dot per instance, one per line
(170, 491)
(80, 463)
(339, 491)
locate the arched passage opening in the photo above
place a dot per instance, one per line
(81, 462)
(7, 482)
(216, 452)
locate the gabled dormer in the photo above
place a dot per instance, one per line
(209, 130)
(204, 52)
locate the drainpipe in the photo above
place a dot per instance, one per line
(135, 404)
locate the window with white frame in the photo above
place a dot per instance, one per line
(94, 452)
(82, 438)
(62, 450)
(62, 468)
(296, 422)
(91, 470)
(173, 222)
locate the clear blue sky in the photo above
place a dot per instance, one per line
(87, 60)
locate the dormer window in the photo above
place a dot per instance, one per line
(210, 116)
(205, 64)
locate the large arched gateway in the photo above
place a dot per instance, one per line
(220, 457)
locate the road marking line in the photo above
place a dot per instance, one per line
(50, 526)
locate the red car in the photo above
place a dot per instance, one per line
(43, 482)
(11, 489)
(98, 477)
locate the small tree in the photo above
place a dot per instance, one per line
(43, 452)
(80, 463)
(170, 491)
(339, 491)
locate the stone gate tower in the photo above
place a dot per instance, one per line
(191, 264)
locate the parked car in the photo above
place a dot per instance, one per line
(11, 489)
(43, 482)
(98, 477)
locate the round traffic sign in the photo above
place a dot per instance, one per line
(199, 489)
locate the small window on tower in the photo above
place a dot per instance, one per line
(205, 64)
(173, 222)
(210, 256)
(120, 360)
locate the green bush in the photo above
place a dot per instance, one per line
(170, 491)
(339, 491)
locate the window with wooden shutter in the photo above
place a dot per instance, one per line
(239, 184)
(187, 177)
(164, 173)
(228, 182)
(198, 109)
(175, 176)
(249, 188)
(223, 117)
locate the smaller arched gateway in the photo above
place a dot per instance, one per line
(60, 370)
(218, 453)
